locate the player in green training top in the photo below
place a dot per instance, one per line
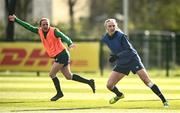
(52, 40)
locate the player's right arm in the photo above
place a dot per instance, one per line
(23, 23)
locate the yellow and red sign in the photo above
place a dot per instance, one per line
(28, 56)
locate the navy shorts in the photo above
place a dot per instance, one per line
(134, 66)
(63, 58)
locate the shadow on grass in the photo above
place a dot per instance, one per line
(83, 108)
(146, 100)
(7, 102)
(62, 109)
(14, 102)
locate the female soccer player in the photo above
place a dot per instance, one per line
(52, 39)
(126, 59)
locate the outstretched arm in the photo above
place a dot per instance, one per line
(23, 23)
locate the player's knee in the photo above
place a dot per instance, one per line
(52, 76)
(109, 86)
(150, 84)
(68, 76)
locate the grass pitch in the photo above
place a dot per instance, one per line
(31, 94)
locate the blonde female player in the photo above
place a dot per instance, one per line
(126, 59)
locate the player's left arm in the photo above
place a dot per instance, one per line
(127, 50)
(63, 37)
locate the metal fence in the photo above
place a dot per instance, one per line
(157, 49)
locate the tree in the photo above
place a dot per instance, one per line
(71, 4)
(155, 14)
(10, 9)
(24, 8)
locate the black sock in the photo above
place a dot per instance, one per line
(78, 78)
(156, 90)
(57, 85)
(116, 91)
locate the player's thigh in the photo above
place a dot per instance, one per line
(114, 78)
(66, 71)
(56, 67)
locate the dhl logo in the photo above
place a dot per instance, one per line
(28, 56)
(21, 56)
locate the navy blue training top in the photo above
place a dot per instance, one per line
(119, 44)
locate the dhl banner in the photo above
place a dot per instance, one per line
(29, 56)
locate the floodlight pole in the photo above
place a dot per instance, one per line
(125, 13)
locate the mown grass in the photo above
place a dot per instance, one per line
(31, 94)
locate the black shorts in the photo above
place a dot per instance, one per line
(63, 58)
(134, 66)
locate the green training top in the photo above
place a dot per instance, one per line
(34, 29)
